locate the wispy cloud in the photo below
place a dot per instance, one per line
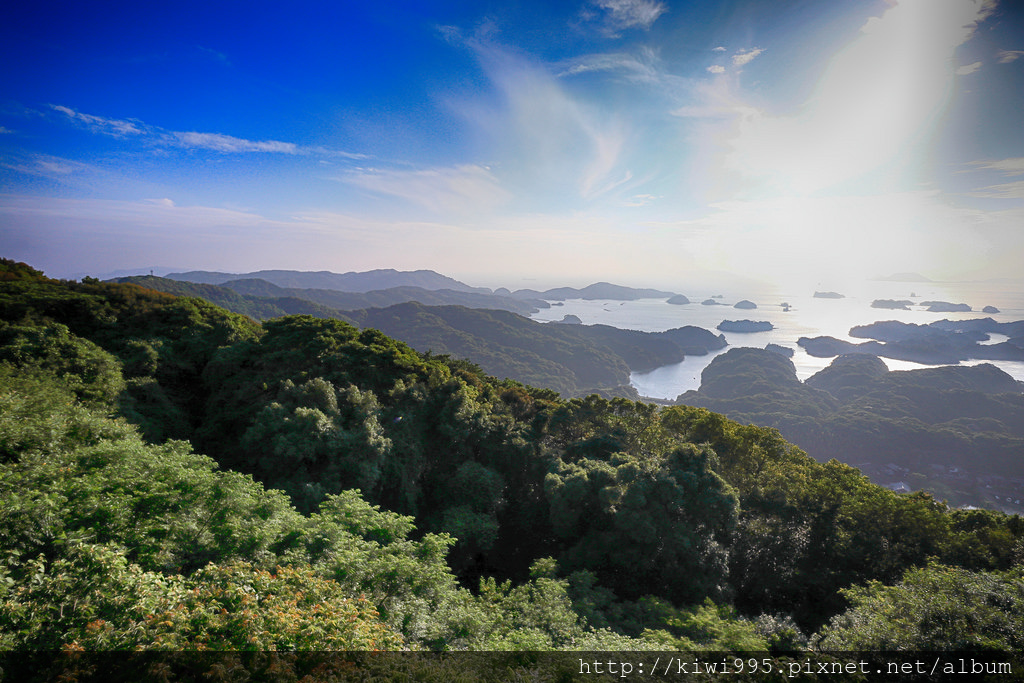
(1013, 190)
(460, 189)
(229, 144)
(1008, 167)
(555, 146)
(968, 69)
(99, 124)
(215, 142)
(45, 166)
(641, 67)
(215, 55)
(1013, 166)
(744, 57)
(641, 199)
(716, 69)
(1007, 56)
(718, 49)
(626, 14)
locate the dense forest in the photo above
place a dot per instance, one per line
(574, 360)
(355, 494)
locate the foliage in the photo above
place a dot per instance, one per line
(410, 478)
(94, 480)
(92, 598)
(75, 477)
(933, 608)
(92, 373)
(646, 526)
(706, 627)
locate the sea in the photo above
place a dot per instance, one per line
(794, 313)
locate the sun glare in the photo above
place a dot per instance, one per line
(873, 108)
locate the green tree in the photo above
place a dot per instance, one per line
(645, 525)
(316, 439)
(92, 373)
(933, 608)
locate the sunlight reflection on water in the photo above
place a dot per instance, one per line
(807, 317)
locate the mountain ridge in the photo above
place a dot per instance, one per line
(352, 281)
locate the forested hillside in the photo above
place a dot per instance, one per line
(258, 293)
(572, 360)
(357, 494)
(955, 431)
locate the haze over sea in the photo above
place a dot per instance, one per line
(807, 316)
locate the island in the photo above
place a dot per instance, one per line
(745, 304)
(946, 307)
(745, 326)
(892, 304)
(678, 300)
(990, 309)
(939, 343)
(829, 295)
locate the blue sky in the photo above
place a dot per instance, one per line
(644, 142)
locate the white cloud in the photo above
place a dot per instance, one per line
(624, 14)
(716, 69)
(1007, 56)
(555, 148)
(164, 202)
(1013, 190)
(968, 69)
(715, 98)
(718, 49)
(217, 142)
(641, 199)
(460, 190)
(99, 124)
(1013, 166)
(744, 57)
(45, 165)
(640, 68)
(229, 144)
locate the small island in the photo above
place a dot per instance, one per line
(745, 326)
(745, 304)
(946, 307)
(892, 304)
(829, 295)
(678, 300)
(711, 302)
(569, 319)
(990, 309)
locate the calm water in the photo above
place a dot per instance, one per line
(807, 317)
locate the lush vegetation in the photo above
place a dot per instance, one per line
(357, 494)
(574, 361)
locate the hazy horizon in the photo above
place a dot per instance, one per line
(522, 144)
